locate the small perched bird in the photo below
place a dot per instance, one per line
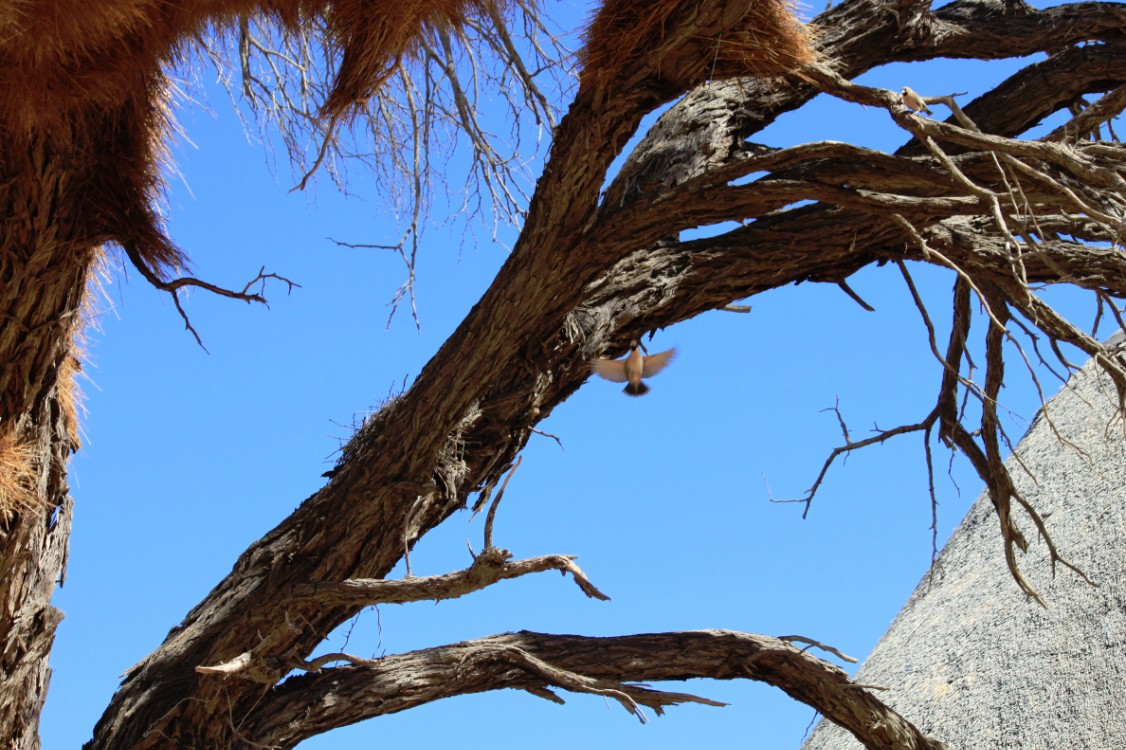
(913, 101)
(633, 368)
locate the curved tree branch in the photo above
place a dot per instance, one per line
(305, 705)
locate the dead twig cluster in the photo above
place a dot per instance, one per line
(1017, 189)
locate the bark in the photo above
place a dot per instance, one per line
(536, 662)
(71, 178)
(32, 560)
(42, 277)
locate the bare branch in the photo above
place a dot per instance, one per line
(491, 515)
(602, 666)
(818, 644)
(855, 297)
(848, 447)
(1086, 124)
(173, 287)
(590, 268)
(483, 572)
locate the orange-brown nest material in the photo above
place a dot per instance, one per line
(736, 38)
(83, 84)
(17, 476)
(83, 122)
(376, 35)
(66, 54)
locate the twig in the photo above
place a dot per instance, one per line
(548, 434)
(849, 446)
(496, 501)
(856, 297)
(407, 530)
(631, 697)
(929, 252)
(818, 644)
(322, 152)
(484, 571)
(174, 286)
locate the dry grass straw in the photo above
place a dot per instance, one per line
(771, 42)
(766, 41)
(18, 473)
(84, 116)
(71, 398)
(86, 80)
(83, 125)
(19, 457)
(375, 37)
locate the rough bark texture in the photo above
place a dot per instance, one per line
(35, 544)
(971, 659)
(81, 126)
(528, 661)
(42, 278)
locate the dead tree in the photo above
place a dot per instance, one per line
(595, 266)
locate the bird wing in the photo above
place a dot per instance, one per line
(654, 363)
(611, 369)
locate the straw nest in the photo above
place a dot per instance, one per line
(86, 80)
(760, 38)
(83, 122)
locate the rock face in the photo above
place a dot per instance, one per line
(971, 660)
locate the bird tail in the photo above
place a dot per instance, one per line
(638, 389)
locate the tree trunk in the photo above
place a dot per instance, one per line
(43, 265)
(33, 549)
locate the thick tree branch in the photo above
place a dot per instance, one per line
(306, 704)
(488, 568)
(855, 37)
(394, 485)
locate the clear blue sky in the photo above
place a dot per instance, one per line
(191, 456)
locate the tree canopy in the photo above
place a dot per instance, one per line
(602, 257)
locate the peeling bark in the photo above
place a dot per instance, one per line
(42, 277)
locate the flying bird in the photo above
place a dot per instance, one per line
(913, 101)
(633, 368)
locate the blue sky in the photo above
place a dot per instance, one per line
(191, 456)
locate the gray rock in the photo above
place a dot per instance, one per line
(975, 663)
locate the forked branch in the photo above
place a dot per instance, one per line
(593, 266)
(173, 287)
